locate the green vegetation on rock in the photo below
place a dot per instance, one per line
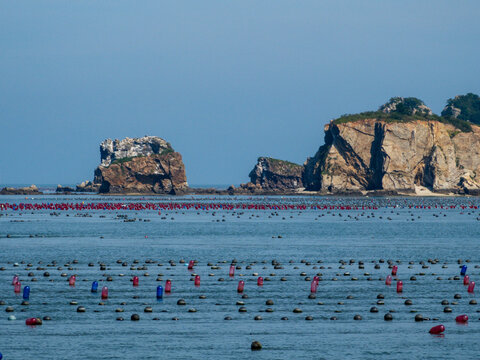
(464, 107)
(404, 111)
(279, 162)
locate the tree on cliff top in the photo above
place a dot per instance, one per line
(464, 107)
(406, 106)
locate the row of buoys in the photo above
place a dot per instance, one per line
(213, 205)
(466, 279)
(179, 206)
(173, 206)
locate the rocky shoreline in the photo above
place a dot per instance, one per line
(402, 149)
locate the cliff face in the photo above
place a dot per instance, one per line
(276, 175)
(143, 165)
(395, 156)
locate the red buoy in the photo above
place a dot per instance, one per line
(31, 321)
(466, 280)
(197, 280)
(437, 329)
(241, 286)
(135, 281)
(461, 318)
(260, 281)
(399, 286)
(105, 292)
(231, 272)
(71, 280)
(18, 287)
(14, 280)
(394, 270)
(313, 286)
(190, 265)
(471, 286)
(168, 286)
(388, 280)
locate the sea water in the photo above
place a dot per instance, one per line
(305, 243)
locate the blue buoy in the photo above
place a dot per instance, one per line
(94, 286)
(26, 293)
(1, 356)
(159, 292)
(464, 270)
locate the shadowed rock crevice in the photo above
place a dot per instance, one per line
(377, 159)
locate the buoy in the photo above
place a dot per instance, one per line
(464, 270)
(316, 279)
(241, 286)
(190, 265)
(105, 292)
(461, 318)
(159, 292)
(71, 280)
(94, 286)
(437, 329)
(135, 281)
(14, 280)
(17, 287)
(260, 281)
(26, 292)
(31, 321)
(399, 286)
(231, 272)
(394, 270)
(197, 280)
(471, 286)
(313, 286)
(466, 280)
(388, 280)
(168, 286)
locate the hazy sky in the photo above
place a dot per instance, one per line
(223, 81)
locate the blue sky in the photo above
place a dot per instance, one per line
(223, 81)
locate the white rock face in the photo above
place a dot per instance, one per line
(111, 150)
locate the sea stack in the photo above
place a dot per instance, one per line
(276, 175)
(140, 165)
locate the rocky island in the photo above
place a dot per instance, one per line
(29, 190)
(397, 149)
(139, 165)
(402, 148)
(272, 176)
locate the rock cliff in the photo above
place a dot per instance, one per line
(276, 175)
(375, 153)
(140, 165)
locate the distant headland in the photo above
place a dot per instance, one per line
(400, 149)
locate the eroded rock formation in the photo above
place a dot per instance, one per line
(372, 154)
(29, 190)
(140, 165)
(276, 175)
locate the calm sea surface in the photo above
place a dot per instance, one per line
(305, 243)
